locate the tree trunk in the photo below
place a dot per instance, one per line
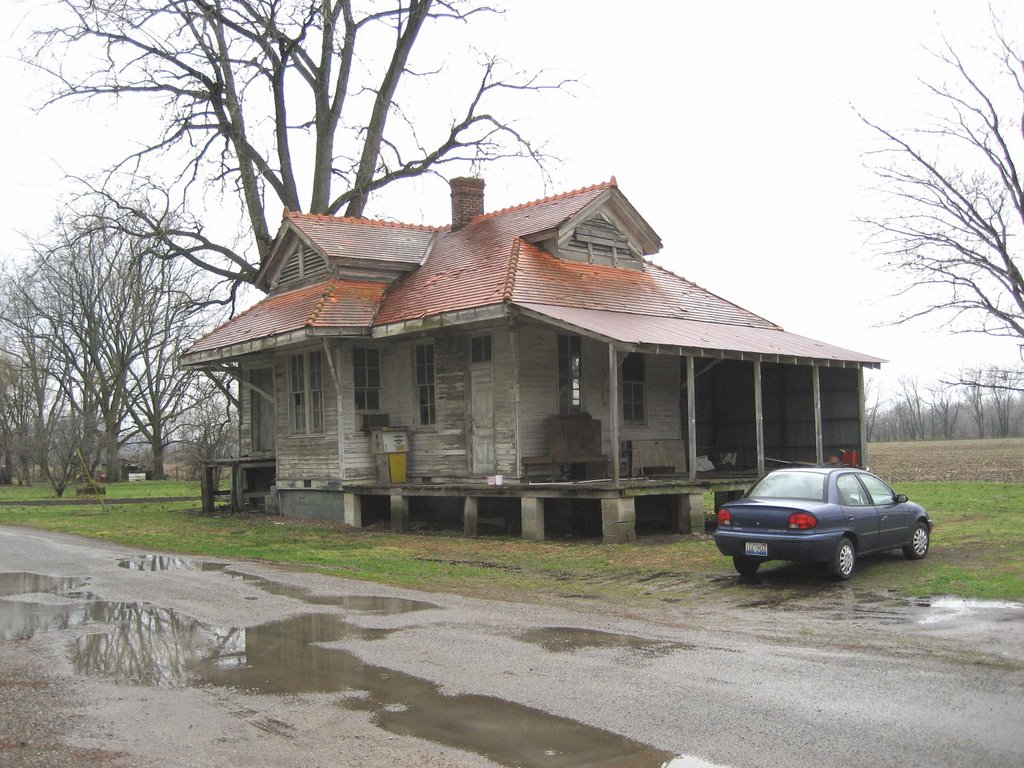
(113, 460)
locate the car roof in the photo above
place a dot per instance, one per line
(818, 470)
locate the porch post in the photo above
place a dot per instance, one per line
(613, 406)
(758, 418)
(862, 417)
(819, 449)
(691, 417)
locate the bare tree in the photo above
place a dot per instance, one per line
(310, 104)
(954, 216)
(159, 392)
(944, 408)
(210, 428)
(910, 408)
(974, 398)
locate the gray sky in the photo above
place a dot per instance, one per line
(730, 126)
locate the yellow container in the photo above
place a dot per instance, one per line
(396, 467)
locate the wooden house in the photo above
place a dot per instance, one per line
(530, 368)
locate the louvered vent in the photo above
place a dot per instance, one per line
(313, 264)
(303, 264)
(598, 241)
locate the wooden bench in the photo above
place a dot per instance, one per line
(574, 449)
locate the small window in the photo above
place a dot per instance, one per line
(366, 372)
(306, 380)
(570, 374)
(480, 349)
(424, 382)
(634, 390)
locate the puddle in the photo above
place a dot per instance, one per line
(141, 644)
(154, 563)
(569, 639)
(362, 603)
(943, 610)
(20, 620)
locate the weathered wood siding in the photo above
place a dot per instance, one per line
(788, 407)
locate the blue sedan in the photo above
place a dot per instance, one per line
(831, 515)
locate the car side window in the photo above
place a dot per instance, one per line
(851, 492)
(880, 492)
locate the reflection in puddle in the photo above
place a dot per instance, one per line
(946, 609)
(168, 563)
(568, 639)
(146, 645)
(20, 620)
(363, 603)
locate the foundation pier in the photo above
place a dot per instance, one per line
(399, 514)
(469, 515)
(532, 511)
(618, 520)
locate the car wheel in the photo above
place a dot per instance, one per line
(844, 562)
(919, 543)
(746, 566)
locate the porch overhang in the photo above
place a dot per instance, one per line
(218, 356)
(669, 335)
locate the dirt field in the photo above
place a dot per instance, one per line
(996, 460)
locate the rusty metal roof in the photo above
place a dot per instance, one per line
(698, 337)
(325, 305)
(349, 238)
(487, 263)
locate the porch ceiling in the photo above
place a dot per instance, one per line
(699, 338)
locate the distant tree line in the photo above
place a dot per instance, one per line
(980, 402)
(91, 326)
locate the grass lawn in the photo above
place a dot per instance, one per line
(978, 549)
(149, 489)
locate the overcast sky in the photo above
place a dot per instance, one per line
(731, 127)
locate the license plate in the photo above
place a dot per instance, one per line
(756, 548)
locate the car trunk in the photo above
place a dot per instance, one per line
(762, 516)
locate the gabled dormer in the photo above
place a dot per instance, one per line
(608, 231)
(312, 248)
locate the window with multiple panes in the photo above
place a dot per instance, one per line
(424, 381)
(366, 372)
(306, 389)
(634, 390)
(570, 374)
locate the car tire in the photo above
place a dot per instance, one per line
(844, 561)
(745, 566)
(919, 543)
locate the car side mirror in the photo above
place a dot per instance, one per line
(901, 498)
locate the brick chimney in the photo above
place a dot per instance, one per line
(467, 200)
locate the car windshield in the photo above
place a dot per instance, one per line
(809, 486)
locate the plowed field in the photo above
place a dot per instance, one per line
(995, 460)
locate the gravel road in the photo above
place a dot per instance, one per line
(115, 657)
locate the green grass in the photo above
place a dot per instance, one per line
(978, 550)
(140, 490)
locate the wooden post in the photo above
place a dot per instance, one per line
(336, 378)
(691, 417)
(513, 340)
(469, 516)
(758, 418)
(613, 406)
(862, 416)
(816, 389)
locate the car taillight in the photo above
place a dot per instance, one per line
(801, 521)
(724, 517)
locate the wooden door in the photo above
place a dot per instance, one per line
(481, 417)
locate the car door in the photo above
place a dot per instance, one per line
(893, 522)
(860, 512)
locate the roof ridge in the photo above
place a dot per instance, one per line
(292, 215)
(318, 308)
(513, 268)
(611, 183)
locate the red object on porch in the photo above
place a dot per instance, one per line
(850, 458)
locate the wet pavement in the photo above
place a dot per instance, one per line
(518, 685)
